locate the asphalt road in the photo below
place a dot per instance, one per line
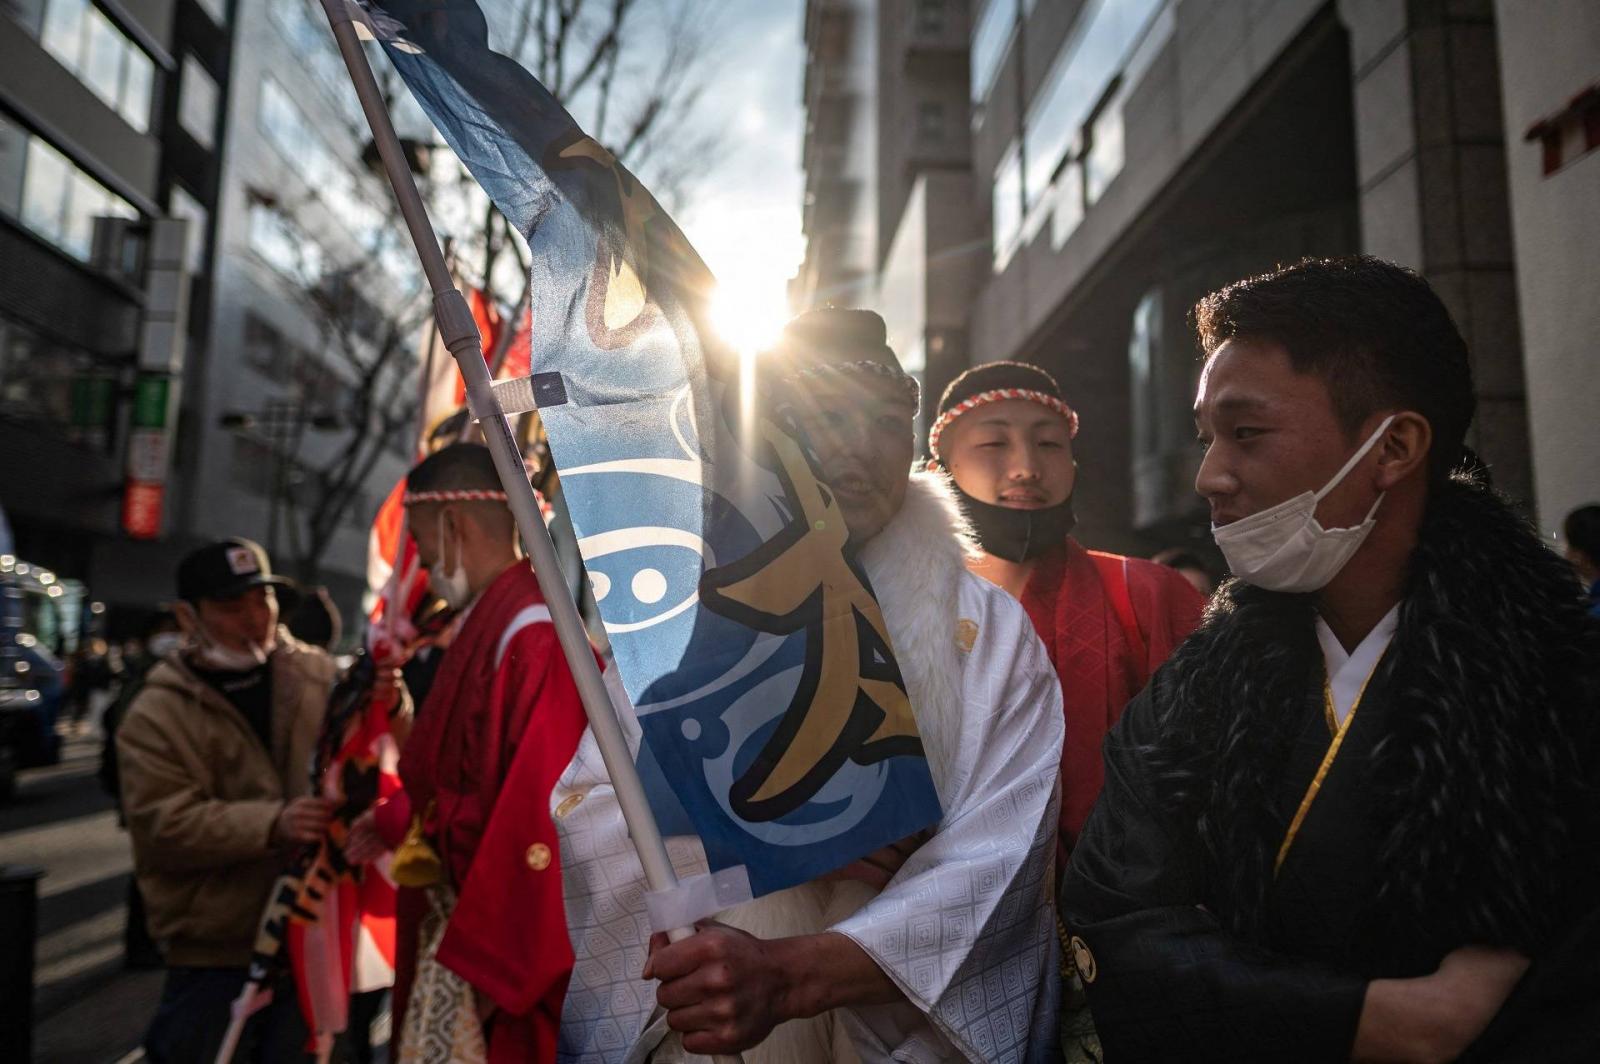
(87, 1008)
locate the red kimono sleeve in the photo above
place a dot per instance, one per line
(1168, 608)
(508, 935)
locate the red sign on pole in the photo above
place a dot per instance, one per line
(144, 491)
(141, 509)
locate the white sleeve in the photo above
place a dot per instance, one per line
(966, 929)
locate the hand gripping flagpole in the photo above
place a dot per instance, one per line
(461, 337)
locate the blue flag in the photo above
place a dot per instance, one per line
(774, 715)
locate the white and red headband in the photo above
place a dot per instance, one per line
(995, 395)
(411, 498)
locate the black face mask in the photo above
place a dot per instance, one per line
(1018, 535)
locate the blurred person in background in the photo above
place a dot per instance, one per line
(162, 638)
(1190, 566)
(314, 618)
(1582, 533)
(91, 671)
(213, 756)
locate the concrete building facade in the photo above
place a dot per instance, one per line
(110, 121)
(1127, 156)
(840, 153)
(310, 259)
(1550, 87)
(235, 117)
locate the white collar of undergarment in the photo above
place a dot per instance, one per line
(1348, 672)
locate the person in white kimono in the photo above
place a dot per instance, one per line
(955, 957)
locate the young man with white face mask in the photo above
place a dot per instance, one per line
(482, 942)
(214, 757)
(1353, 816)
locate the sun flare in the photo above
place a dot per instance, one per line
(749, 317)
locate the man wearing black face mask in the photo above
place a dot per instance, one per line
(1005, 435)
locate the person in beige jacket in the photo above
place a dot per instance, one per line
(214, 757)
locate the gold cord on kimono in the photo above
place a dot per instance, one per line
(1340, 731)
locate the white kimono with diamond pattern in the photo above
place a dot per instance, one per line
(966, 929)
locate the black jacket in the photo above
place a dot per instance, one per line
(1462, 809)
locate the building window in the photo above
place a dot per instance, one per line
(217, 9)
(13, 154)
(305, 27)
(282, 245)
(1103, 37)
(1162, 377)
(265, 349)
(1066, 205)
(197, 102)
(1144, 383)
(293, 136)
(182, 205)
(930, 120)
(89, 44)
(58, 201)
(1007, 219)
(254, 466)
(930, 16)
(45, 381)
(990, 38)
(28, 12)
(1103, 161)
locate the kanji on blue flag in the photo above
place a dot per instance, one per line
(748, 638)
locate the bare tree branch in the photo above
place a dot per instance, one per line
(638, 67)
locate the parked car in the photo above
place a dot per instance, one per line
(32, 675)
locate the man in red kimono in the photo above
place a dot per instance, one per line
(1005, 435)
(483, 951)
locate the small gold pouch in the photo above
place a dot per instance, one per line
(415, 862)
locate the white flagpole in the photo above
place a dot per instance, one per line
(461, 337)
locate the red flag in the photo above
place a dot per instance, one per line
(519, 355)
(392, 573)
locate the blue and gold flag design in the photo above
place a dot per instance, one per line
(775, 718)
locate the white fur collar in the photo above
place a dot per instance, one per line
(916, 565)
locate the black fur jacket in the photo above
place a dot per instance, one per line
(1485, 784)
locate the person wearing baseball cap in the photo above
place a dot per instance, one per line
(1005, 433)
(213, 756)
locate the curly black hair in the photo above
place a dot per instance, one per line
(1377, 333)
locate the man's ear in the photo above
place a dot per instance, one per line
(1404, 449)
(188, 619)
(933, 466)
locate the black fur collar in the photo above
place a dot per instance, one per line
(1485, 782)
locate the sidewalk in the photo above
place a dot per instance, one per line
(103, 1025)
(87, 1008)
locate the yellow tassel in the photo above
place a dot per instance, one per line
(416, 863)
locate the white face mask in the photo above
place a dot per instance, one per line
(210, 654)
(214, 655)
(1284, 548)
(451, 586)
